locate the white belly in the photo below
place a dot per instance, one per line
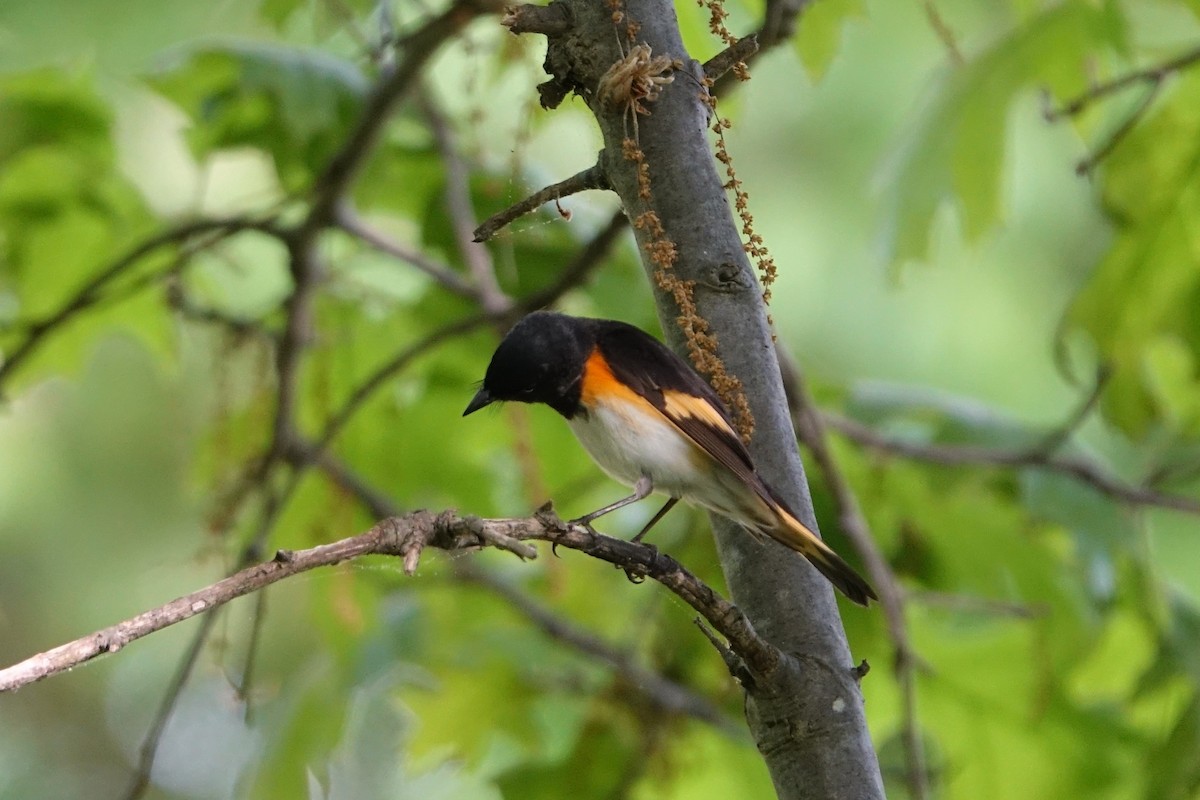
(630, 445)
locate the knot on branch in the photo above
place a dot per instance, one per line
(552, 93)
(409, 535)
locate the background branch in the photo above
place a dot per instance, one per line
(1083, 470)
(37, 331)
(811, 432)
(349, 221)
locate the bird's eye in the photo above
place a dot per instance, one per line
(527, 390)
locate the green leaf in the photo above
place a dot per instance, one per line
(1171, 380)
(401, 177)
(1174, 769)
(1144, 294)
(955, 150)
(47, 108)
(296, 105)
(819, 36)
(278, 12)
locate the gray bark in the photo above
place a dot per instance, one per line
(807, 715)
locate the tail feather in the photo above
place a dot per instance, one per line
(792, 533)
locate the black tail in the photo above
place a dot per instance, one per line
(795, 534)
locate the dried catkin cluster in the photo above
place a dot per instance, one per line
(636, 79)
(754, 245)
(701, 343)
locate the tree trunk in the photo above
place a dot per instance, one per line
(807, 716)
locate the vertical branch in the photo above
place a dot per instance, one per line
(664, 110)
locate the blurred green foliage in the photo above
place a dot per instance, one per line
(946, 278)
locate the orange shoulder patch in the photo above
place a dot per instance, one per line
(600, 385)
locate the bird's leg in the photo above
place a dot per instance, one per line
(662, 512)
(641, 490)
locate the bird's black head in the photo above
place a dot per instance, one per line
(540, 361)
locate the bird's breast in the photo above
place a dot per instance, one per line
(632, 439)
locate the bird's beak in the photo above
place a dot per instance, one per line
(482, 398)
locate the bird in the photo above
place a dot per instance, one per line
(650, 422)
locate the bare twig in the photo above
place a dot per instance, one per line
(778, 26)
(1154, 77)
(275, 500)
(970, 604)
(1057, 437)
(295, 337)
(303, 454)
(405, 537)
(571, 276)
(239, 328)
(590, 178)
(576, 272)
(666, 694)
(944, 33)
(385, 372)
(1085, 165)
(779, 21)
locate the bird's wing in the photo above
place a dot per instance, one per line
(668, 383)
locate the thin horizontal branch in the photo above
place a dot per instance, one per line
(591, 178)
(739, 51)
(90, 293)
(406, 537)
(1083, 470)
(667, 695)
(356, 226)
(1153, 75)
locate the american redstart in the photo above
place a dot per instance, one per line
(651, 422)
